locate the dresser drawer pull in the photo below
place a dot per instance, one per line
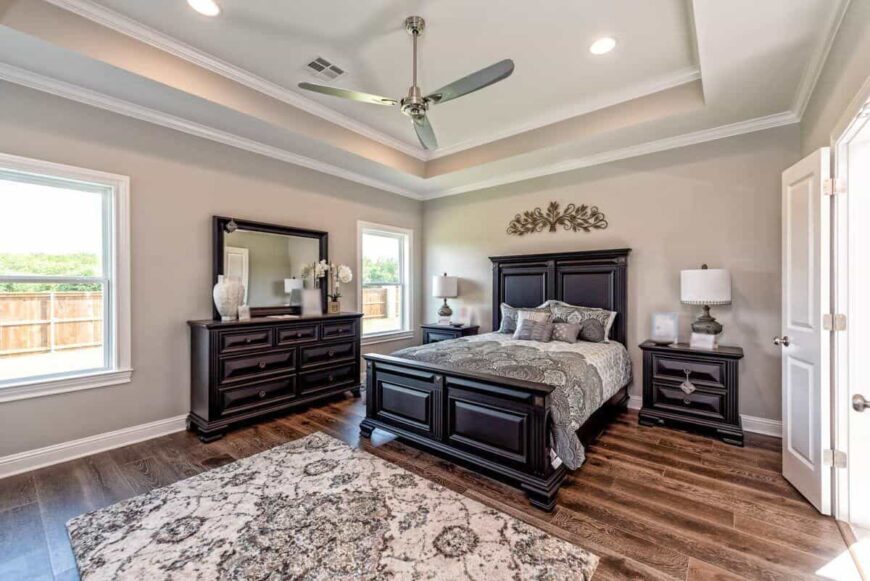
(248, 339)
(262, 394)
(299, 334)
(262, 365)
(331, 353)
(330, 378)
(687, 401)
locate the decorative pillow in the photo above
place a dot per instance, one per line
(510, 314)
(538, 316)
(567, 332)
(529, 330)
(563, 313)
(593, 331)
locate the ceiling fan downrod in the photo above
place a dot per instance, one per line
(414, 105)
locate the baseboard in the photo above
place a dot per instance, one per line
(41, 457)
(762, 426)
(750, 423)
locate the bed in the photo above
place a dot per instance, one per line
(520, 411)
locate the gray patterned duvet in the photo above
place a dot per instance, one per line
(585, 375)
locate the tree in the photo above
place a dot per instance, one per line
(380, 271)
(80, 264)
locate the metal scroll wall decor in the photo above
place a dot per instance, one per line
(573, 218)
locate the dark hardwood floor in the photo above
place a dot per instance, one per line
(653, 503)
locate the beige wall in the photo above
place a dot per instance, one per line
(177, 183)
(844, 72)
(718, 203)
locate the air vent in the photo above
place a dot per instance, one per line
(323, 69)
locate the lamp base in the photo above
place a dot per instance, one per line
(445, 310)
(706, 324)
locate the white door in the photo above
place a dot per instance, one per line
(236, 265)
(853, 264)
(804, 343)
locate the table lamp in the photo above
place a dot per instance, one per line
(445, 287)
(706, 286)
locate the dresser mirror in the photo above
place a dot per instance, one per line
(268, 259)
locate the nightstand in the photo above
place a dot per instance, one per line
(711, 407)
(434, 333)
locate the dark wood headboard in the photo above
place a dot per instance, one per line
(591, 278)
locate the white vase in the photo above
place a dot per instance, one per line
(228, 293)
(311, 303)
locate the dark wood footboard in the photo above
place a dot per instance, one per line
(495, 425)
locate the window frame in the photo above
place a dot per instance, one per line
(406, 271)
(115, 279)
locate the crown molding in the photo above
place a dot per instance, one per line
(721, 132)
(663, 83)
(66, 90)
(138, 31)
(817, 61)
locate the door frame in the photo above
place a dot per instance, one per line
(848, 126)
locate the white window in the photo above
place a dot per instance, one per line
(385, 275)
(64, 279)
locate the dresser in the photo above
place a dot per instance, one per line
(244, 370)
(433, 333)
(710, 404)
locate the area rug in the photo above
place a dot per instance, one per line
(315, 509)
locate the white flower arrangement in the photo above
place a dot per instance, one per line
(341, 274)
(316, 270)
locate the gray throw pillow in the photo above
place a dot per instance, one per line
(564, 313)
(593, 331)
(509, 316)
(534, 331)
(567, 332)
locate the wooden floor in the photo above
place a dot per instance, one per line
(653, 503)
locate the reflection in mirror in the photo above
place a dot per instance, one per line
(269, 265)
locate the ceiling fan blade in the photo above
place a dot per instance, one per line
(473, 82)
(348, 94)
(425, 133)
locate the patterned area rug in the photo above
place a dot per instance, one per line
(315, 509)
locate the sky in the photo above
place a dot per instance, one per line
(49, 220)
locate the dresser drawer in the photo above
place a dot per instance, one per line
(293, 335)
(245, 367)
(711, 372)
(245, 340)
(700, 403)
(242, 398)
(323, 354)
(312, 381)
(335, 330)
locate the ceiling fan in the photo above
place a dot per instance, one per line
(414, 105)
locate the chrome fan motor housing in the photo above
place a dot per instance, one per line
(414, 105)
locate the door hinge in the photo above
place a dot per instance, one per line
(835, 458)
(834, 322)
(834, 186)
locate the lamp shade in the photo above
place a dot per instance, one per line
(445, 287)
(705, 287)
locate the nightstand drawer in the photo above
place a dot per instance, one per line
(438, 336)
(677, 369)
(706, 403)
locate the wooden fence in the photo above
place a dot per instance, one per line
(50, 321)
(374, 303)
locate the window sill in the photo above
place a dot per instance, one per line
(387, 337)
(38, 388)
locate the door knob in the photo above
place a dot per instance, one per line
(859, 404)
(782, 341)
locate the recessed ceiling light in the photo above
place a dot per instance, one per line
(603, 45)
(206, 7)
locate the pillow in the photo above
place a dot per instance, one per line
(538, 316)
(510, 314)
(593, 331)
(529, 330)
(567, 332)
(564, 313)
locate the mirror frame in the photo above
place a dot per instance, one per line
(218, 230)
